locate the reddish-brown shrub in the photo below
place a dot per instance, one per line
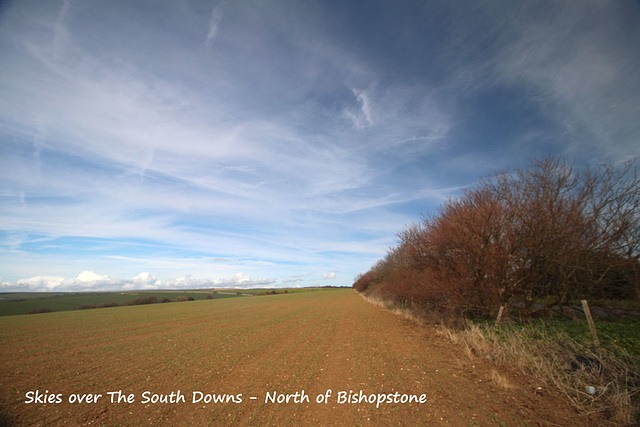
(545, 232)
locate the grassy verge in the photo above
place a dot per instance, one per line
(560, 355)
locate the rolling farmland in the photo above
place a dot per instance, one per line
(239, 360)
(22, 303)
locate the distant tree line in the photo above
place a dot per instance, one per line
(548, 232)
(137, 301)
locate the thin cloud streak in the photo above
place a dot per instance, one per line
(214, 24)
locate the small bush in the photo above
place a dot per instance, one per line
(182, 298)
(143, 300)
(109, 304)
(92, 306)
(165, 300)
(209, 296)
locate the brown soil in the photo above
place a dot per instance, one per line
(250, 347)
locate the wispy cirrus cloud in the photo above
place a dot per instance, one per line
(214, 24)
(362, 114)
(584, 72)
(572, 64)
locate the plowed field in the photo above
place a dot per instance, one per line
(247, 351)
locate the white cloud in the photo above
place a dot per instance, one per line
(85, 281)
(90, 276)
(39, 283)
(331, 275)
(239, 280)
(90, 281)
(145, 280)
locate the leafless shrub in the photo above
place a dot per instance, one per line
(547, 232)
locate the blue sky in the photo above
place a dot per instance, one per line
(150, 144)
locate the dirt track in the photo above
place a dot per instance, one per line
(248, 347)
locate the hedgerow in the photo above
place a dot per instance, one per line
(548, 232)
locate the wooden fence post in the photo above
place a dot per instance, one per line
(499, 315)
(592, 326)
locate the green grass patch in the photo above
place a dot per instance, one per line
(23, 303)
(30, 302)
(623, 333)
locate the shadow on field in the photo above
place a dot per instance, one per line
(6, 420)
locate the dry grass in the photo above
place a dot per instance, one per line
(557, 362)
(592, 380)
(405, 313)
(500, 380)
